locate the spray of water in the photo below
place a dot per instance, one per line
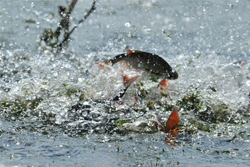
(210, 89)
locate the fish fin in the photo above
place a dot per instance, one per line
(137, 51)
(163, 87)
(173, 121)
(163, 82)
(174, 131)
(128, 80)
(107, 62)
(131, 51)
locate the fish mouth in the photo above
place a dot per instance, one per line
(173, 75)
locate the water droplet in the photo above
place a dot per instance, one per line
(127, 24)
(146, 30)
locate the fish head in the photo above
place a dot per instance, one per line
(169, 74)
(173, 75)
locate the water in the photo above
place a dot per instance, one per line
(203, 41)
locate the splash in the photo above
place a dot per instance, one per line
(210, 89)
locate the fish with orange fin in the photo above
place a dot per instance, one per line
(170, 127)
(145, 61)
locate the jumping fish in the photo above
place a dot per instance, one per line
(145, 61)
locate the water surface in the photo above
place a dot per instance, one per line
(203, 41)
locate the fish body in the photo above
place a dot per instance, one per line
(148, 62)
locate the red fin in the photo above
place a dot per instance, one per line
(106, 62)
(172, 122)
(131, 51)
(163, 82)
(163, 87)
(128, 80)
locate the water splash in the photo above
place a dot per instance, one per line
(210, 88)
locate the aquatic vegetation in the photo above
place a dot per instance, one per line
(30, 21)
(200, 125)
(120, 122)
(150, 105)
(51, 38)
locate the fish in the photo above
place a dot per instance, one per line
(145, 61)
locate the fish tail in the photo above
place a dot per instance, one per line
(128, 80)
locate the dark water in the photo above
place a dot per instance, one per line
(203, 41)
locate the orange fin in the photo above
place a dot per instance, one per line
(163, 87)
(106, 62)
(172, 122)
(131, 51)
(137, 51)
(163, 82)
